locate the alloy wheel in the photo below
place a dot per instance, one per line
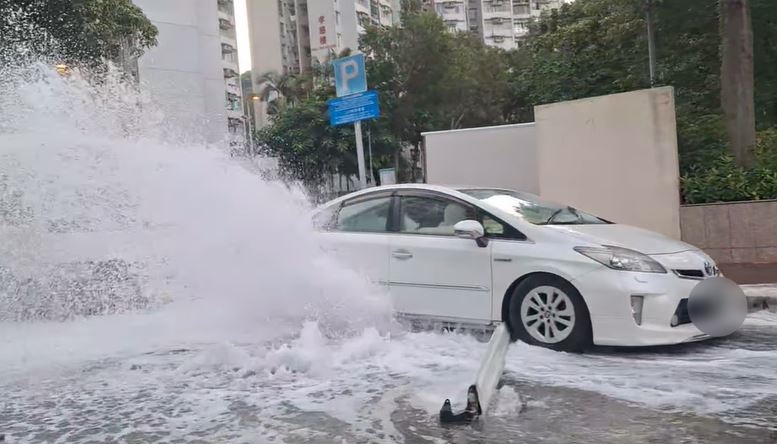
(547, 314)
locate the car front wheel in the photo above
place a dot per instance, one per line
(548, 311)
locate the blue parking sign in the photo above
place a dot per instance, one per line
(350, 76)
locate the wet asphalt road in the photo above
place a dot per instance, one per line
(59, 410)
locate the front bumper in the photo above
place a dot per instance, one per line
(608, 296)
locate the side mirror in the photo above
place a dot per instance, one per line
(471, 229)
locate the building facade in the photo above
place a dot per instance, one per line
(290, 36)
(192, 73)
(499, 23)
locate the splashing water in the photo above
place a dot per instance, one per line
(101, 213)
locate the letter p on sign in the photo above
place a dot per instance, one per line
(350, 77)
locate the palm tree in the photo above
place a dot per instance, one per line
(288, 89)
(278, 90)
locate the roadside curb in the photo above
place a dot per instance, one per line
(761, 297)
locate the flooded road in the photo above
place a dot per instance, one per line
(373, 388)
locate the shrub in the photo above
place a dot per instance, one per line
(721, 180)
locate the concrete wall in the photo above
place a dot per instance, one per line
(741, 236)
(499, 156)
(614, 156)
(183, 73)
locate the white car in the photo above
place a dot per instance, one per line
(559, 277)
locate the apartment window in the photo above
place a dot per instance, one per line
(364, 19)
(337, 18)
(498, 6)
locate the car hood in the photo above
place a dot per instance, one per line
(625, 236)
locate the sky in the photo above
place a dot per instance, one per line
(243, 42)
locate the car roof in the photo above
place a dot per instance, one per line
(406, 186)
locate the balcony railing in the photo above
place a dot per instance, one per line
(234, 123)
(229, 58)
(226, 25)
(226, 48)
(232, 102)
(226, 6)
(230, 73)
(497, 20)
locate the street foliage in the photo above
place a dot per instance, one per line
(431, 79)
(77, 32)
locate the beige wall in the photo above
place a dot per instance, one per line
(498, 156)
(733, 233)
(615, 156)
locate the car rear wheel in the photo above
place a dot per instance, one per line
(548, 311)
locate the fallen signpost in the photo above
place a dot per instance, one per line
(480, 394)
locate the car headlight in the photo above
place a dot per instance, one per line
(623, 259)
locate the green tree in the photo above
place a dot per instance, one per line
(596, 47)
(278, 90)
(736, 79)
(310, 150)
(75, 31)
(587, 48)
(764, 13)
(430, 79)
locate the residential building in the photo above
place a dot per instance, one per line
(290, 36)
(500, 23)
(453, 13)
(192, 73)
(236, 120)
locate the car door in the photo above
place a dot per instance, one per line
(356, 234)
(431, 271)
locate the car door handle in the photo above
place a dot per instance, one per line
(402, 254)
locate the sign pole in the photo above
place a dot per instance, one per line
(357, 128)
(353, 103)
(369, 152)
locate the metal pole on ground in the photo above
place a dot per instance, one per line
(651, 41)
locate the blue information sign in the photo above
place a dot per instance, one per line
(353, 108)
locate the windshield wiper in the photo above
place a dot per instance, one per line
(553, 216)
(559, 211)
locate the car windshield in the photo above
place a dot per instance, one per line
(533, 209)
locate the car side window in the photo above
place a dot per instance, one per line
(370, 215)
(497, 229)
(431, 215)
(493, 226)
